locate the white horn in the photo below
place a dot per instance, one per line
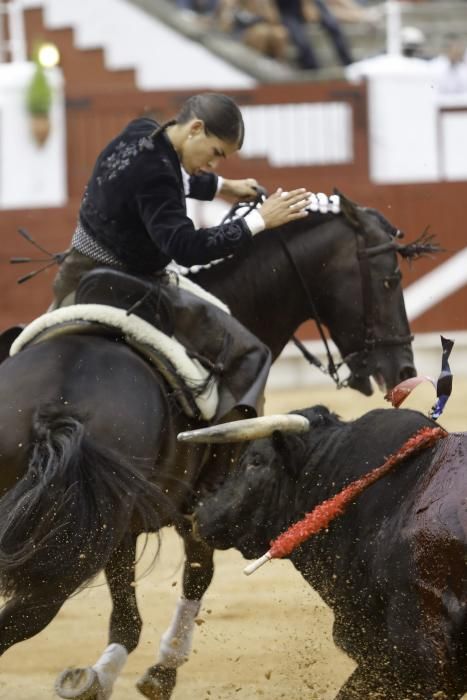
(248, 429)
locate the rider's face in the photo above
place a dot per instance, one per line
(203, 152)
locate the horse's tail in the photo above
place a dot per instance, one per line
(64, 517)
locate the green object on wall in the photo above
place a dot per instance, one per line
(39, 93)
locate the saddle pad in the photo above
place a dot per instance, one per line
(134, 329)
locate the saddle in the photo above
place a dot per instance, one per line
(138, 312)
(146, 299)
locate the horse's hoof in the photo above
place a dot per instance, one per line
(79, 684)
(157, 683)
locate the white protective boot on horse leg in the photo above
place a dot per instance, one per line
(96, 682)
(159, 680)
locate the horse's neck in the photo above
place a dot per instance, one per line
(263, 287)
(262, 291)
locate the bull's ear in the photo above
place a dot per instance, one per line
(319, 416)
(278, 441)
(291, 450)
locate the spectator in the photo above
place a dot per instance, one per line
(256, 23)
(352, 11)
(450, 68)
(413, 42)
(295, 16)
(202, 7)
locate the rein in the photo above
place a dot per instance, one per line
(332, 369)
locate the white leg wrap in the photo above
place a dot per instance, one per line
(108, 667)
(176, 641)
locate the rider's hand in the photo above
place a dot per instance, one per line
(240, 190)
(282, 207)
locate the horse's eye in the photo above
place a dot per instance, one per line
(391, 281)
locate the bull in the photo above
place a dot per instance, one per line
(392, 567)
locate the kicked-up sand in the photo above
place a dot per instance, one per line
(266, 636)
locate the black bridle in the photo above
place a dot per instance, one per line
(371, 340)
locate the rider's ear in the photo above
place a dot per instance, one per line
(196, 127)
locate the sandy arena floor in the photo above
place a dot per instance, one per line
(264, 636)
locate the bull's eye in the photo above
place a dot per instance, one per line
(253, 462)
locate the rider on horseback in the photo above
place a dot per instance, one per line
(133, 218)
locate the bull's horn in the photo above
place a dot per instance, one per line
(248, 429)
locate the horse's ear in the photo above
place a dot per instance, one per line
(349, 209)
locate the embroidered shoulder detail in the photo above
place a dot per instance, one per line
(112, 166)
(231, 233)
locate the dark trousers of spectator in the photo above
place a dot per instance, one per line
(298, 32)
(202, 6)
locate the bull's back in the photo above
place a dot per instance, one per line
(436, 538)
(438, 526)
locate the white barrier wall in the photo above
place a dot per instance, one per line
(31, 176)
(453, 136)
(402, 119)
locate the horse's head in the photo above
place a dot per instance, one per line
(361, 300)
(340, 269)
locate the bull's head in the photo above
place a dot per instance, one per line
(259, 499)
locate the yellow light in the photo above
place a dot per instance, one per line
(48, 55)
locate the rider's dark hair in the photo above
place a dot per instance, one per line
(220, 114)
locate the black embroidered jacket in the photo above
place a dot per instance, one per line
(134, 205)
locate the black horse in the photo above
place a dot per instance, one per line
(393, 567)
(88, 452)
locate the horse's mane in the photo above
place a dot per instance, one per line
(220, 269)
(424, 245)
(314, 219)
(384, 223)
